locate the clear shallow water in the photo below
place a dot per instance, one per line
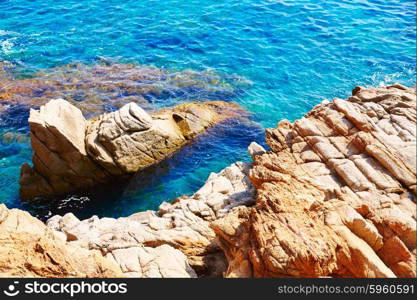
(290, 55)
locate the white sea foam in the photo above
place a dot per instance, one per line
(7, 46)
(5, 32)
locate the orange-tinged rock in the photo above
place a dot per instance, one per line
(336, 193)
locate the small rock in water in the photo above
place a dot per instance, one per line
(72, 154)
(255, 149)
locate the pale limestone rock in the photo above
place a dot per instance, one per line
(183, 225)
(159, 262)
(30, 249)
(60, 160)
(71, 154)
(129, 140)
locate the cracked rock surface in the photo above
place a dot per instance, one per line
(30, 249)
(336, 195)
(165, 243)
(72, 154)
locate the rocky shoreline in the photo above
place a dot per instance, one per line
(335, 196)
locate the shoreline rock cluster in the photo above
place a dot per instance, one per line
(182, 225)
(335, 196)
(71, 153)
(28, 248)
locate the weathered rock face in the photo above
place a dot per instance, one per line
(60, 159)
(29, 249)
(183, 225)
(336, 195)
(71, 153)
(129, 139)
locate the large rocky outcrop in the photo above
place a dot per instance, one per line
(335, 195)
(29, 249)
(94, 88)
(71, 153)
(183, 225)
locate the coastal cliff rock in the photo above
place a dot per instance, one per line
(29, 249)
(336, 195)
(183, 225)
(71, 153)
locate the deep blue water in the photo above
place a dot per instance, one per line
(284, 58)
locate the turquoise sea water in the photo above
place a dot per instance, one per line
(279, 59)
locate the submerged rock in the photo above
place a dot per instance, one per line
(11, 137)
(30, 249)
(335, 195)
(60, 160)
(106, 86)
(71, 153)
(183, 224)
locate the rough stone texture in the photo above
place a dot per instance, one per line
(60, 159)
(70, 153)
(129, 139)
(146, 262)
(336, 193)
(183, 225)
(29, 249)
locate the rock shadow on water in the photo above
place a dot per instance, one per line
(14, 117)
